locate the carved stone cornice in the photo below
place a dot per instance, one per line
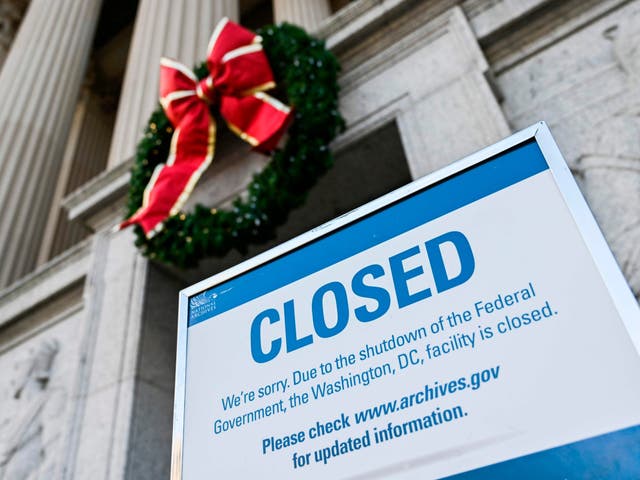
(100, 202)
(45, 283)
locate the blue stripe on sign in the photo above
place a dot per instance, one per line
(434, 201)
(611, 456)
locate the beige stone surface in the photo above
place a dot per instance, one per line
(432, 81)
(308, 14)
(587, 88)
(39, 365)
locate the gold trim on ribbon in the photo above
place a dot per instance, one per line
(174, 147)
(195, 176)
(238, 52)
(274, 102)
(177, 95)
(244, 136)
(150, 185)
(147, 192)
(201, 95)
(259, 88)
(167, 62)
(155, 230)
(216, 33)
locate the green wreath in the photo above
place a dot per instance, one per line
(308, 73)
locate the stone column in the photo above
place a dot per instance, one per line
(179, 30)
(39, 86)
(85, 156)
(308, 13)
(11, 12)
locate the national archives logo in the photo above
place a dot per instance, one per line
(202, 304)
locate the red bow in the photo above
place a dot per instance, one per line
(239, 73)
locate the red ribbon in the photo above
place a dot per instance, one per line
(239, 72)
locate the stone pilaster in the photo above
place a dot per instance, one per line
(308, 14)
(179, 30)
(39, 86)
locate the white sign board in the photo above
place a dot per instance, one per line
(471, 324)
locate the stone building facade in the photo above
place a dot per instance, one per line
(88, 325)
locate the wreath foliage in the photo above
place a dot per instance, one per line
(307, 72)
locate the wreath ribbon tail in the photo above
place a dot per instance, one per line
(192, 151)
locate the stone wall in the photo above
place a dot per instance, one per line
(582, 76)
(42, 345)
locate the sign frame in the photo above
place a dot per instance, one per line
(585, 223)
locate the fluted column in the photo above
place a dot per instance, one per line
(306, 13)
(39, 86)
(179, 30)
(85, 156)
(11, 12)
